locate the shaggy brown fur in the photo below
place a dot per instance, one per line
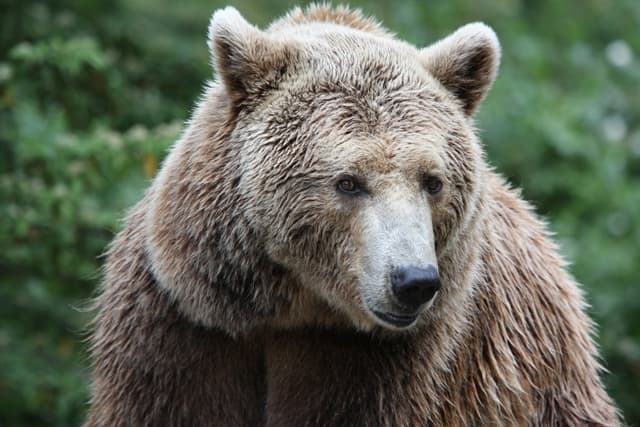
(240, 290)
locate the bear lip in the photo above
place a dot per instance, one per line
(395, 319)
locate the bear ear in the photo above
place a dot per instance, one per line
(466, 63)
(249, 61)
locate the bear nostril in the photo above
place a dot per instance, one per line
(414, 286)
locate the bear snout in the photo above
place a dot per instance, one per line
(414, 286)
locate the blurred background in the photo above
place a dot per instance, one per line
(93, 92)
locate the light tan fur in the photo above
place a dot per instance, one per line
(240, 290)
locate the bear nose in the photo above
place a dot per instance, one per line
(414, 286)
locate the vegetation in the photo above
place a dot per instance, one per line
(93, 93)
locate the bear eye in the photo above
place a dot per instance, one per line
(433, 184)
(348, 185)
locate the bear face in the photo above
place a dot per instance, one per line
(358, 170)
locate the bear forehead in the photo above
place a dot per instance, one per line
(376, 102)
(367, 128)
(362, 78)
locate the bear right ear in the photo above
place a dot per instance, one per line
(248, 60)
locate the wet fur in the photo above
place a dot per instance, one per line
(198, 325)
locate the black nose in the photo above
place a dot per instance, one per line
(414, 286)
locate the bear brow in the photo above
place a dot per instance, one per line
(344, 107)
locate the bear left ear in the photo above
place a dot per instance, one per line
(466, 63)
(248, 60)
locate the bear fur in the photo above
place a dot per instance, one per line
(239, 291)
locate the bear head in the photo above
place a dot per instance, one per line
(328, 174)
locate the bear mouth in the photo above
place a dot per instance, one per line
(395, 319)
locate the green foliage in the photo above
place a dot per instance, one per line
(92, 93)
(62, 195)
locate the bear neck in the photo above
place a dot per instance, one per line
(202, 251)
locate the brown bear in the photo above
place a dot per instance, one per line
(326, 245)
